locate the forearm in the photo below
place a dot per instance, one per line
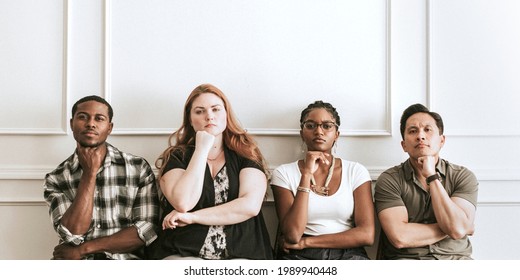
(413, 235)
(450, 217)
(294, 223)
(352, 238)
(78, 216)
(124, 241)
(232, 212)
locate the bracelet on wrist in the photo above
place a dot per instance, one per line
(432, 178)
(303, 189)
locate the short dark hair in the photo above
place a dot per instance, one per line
(320, 105)
(93, 98)
(419, 108)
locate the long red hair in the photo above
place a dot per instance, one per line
(235, 137)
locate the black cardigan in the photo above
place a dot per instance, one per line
(248, 239)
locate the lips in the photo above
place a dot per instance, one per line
(89, 133)
(421, 145)
(319, 140)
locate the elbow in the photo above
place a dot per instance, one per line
(181, 207)
(457, 233)
(398, 242)
(292, 237)
(252, 210)
(367, 236)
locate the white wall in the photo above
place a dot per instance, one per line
(371, 59)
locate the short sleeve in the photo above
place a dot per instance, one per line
(278, 179)
(247, 163)
(466, 186)
(360, 175)
(387, 192)
(178, 159)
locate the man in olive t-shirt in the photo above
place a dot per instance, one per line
(426, 205)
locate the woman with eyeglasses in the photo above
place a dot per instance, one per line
(324, 203)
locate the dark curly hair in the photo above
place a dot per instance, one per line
(320, 105)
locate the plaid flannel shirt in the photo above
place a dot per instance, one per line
(126, 195)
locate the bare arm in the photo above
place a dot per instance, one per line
(361, 235)
(253, 184)
(183, 188)
(455, 216)
(394, 222)
(292, 210)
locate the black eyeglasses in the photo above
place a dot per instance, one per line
(326, 126)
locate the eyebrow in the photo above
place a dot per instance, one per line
(309, 120)
(85, 113)
(212, 106)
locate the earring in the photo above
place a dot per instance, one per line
(335, 147)
(303, 148)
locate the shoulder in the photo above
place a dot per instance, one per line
(286, 170)
(394, 172)
(240, 161)
(352, 165)
(392, 178)
(120, 157)
(456, 168)
(286, 174)
(287, 167)
(459, 173)
(69, 165)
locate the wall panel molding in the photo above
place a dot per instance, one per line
(384, 127)
(24, 92)
(489, 194)
(469, 73)
(38, 173)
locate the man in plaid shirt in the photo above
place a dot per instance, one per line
(103, 202)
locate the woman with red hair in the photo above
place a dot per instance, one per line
(213, 180)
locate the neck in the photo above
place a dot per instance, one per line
(214, 155)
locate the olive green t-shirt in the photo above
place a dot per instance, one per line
(398, 186)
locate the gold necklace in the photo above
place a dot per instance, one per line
(212, 159)
(323, 190)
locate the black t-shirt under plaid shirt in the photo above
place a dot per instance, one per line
(126, 195)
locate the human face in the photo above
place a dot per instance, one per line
(318, 138)
(421, 136)
(208, 113)
(90, 124)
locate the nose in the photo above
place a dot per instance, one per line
(318, 129)
(90, 122)
(210, 115)
(421, 135)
